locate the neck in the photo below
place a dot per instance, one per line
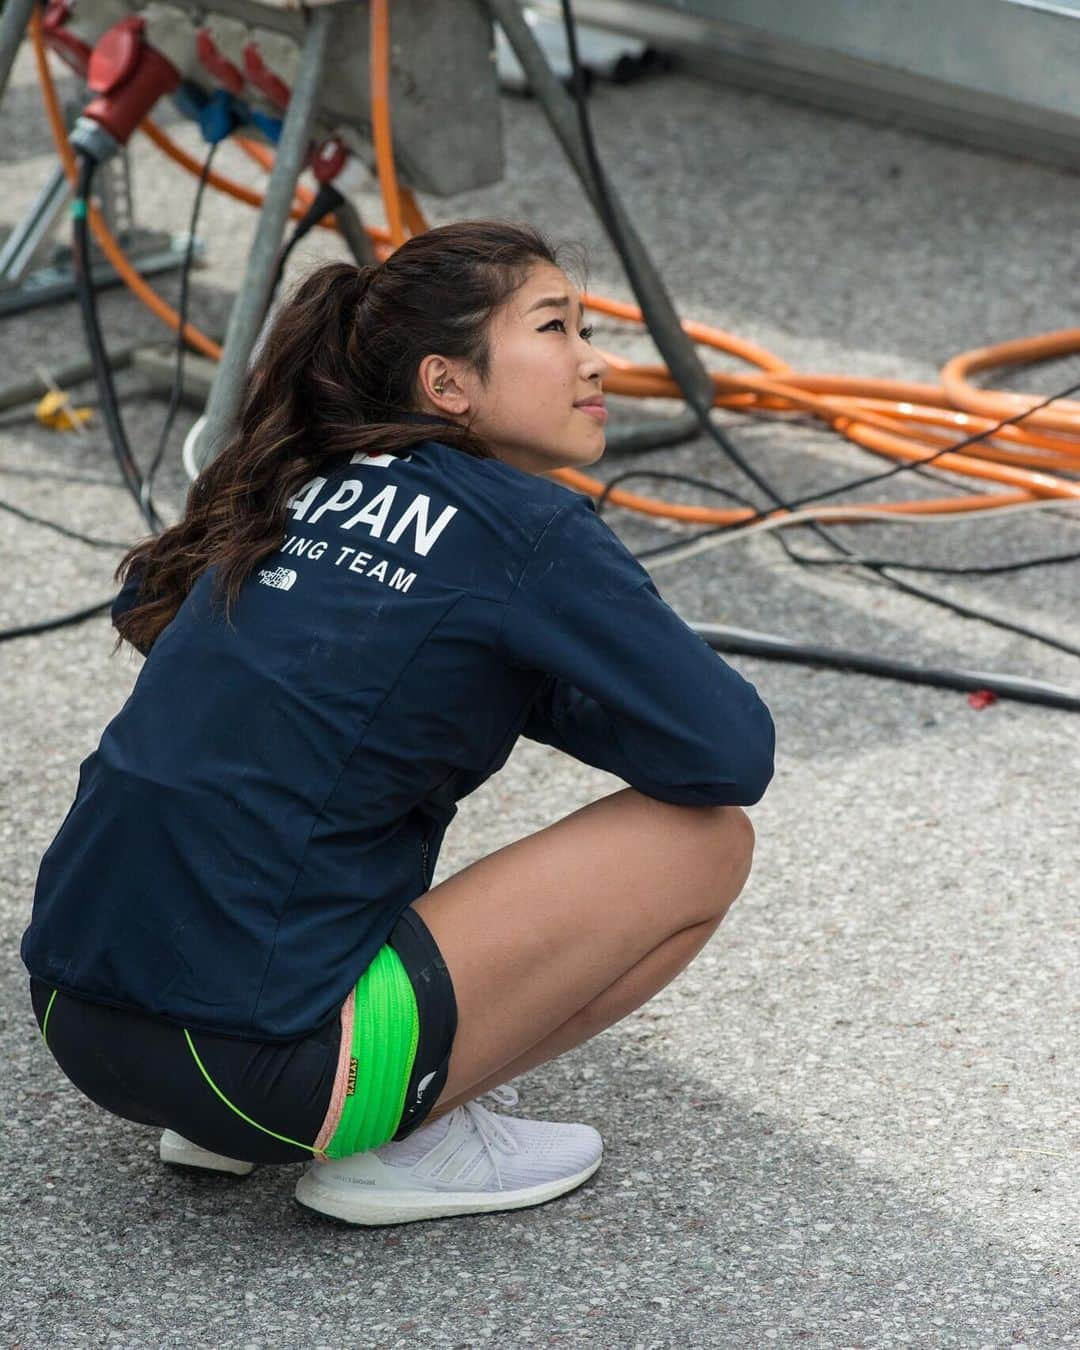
(432, 418)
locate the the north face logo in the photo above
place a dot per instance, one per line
(281, 578)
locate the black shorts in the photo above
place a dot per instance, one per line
(140, 1067)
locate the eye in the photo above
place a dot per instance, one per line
(586, 332)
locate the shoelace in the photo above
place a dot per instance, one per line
(493, 1133)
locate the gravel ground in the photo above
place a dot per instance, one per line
(852, 1121)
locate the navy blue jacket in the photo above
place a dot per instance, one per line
(275, 790)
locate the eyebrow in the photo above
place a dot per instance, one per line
(561, 301)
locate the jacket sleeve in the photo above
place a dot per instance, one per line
(127, 598)
(631, 688)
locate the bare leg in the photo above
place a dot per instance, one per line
(628, 992)
(544, 938)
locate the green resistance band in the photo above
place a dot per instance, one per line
(386, 1016)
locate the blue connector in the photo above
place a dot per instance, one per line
(189, 99)
(217, 114)
(268, 125)
(219, 117)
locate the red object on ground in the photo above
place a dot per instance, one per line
(128, 76)
(982, 698)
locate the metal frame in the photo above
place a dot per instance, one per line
(248, 312)
(14, 20)
(32, 273)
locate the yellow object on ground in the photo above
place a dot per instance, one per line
(55, 411)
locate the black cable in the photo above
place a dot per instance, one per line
(703, 410)
(181, 343)
(708, 486)
(809, 560)
(129, 470)
(325, 201)
(31, 519)
(703, 483)
(47, 625)
(84, 285)
(804, 559)
(38, 475)
(773, 648)
(133, 480)
(916, 466)
(989, 570)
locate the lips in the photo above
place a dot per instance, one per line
(594, 407)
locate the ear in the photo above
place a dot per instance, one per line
(439, 386)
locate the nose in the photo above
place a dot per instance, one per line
(593, 366)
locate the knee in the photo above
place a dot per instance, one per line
(720, 840)
(724, 853)
(708, 829)
(743, 827)
(736, 838)
(728, 828)
(732, 853)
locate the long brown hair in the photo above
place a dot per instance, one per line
(337, 367)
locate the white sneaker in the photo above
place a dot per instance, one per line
(469, 1161)
(181, 1152)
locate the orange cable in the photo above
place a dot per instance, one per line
(899, 419)
(231, 188)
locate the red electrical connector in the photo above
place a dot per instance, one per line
(262, 78)
(128, 76)
(230, 77)
(329, 159)
(70, 48)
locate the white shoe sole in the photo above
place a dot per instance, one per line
(407, 1206)
(180, 1152)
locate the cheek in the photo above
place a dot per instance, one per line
(541, 386)
(533, 385)
(555, 382)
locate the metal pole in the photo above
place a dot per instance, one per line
(246, 318)
(13, 21)
(28, 238)
(354, 234)
(558, 105)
